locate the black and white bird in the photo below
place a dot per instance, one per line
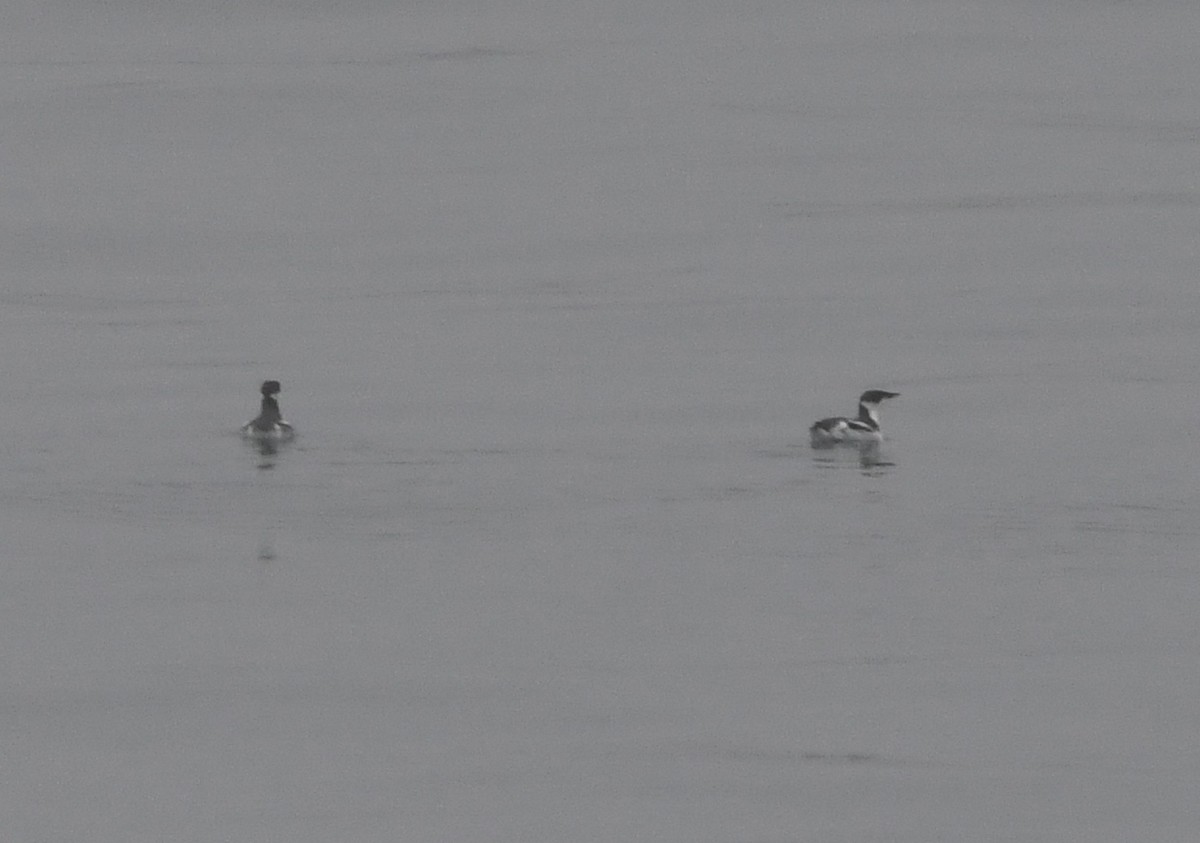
(269, 425)
(863, 430)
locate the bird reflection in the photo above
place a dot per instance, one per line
(867, 457)
(267, 449)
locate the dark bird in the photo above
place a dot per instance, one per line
(269, 425)
(841, 430)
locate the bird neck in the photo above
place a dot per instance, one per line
(869, 414)
(270, 408)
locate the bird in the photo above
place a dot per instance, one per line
(269, 425)
(863, 430)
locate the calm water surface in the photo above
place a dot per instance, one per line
(554, 295)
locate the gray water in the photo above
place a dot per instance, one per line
(554, 291)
